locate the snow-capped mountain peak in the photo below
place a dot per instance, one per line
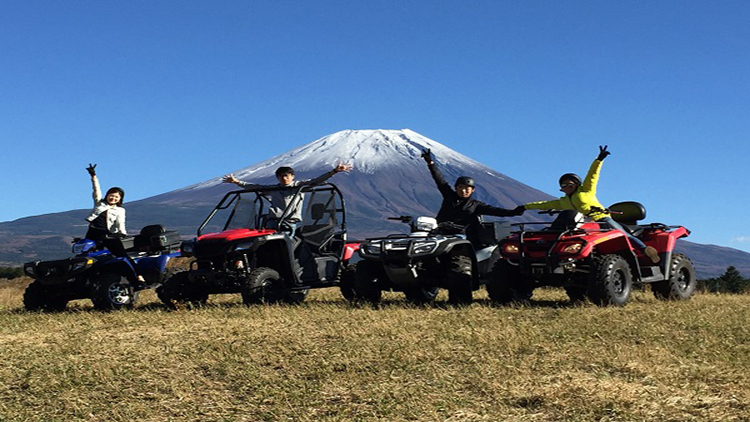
(367, 150)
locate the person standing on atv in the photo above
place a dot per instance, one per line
(107, 219)
(581, 197)
(458, 206)
(281, 199)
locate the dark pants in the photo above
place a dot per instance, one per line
(111, 242)
(638, 243)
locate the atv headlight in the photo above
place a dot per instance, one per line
(573, 248)
(81, 264)
(424, 224)
(510, 248)
(244, 246)
(371, 248)
(29, 270)
(420, 248)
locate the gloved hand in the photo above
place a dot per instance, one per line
(427, 155)
(603, 153)
(519, 210)
(91, 169)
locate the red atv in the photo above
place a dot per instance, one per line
(591, 260)
(242, 248)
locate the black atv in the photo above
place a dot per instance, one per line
(242, 248)
(432, 256)
(95, 273)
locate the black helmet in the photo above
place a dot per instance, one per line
(570, 176)
(118, 190)
(465, 180)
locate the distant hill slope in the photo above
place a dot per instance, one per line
(389, 178)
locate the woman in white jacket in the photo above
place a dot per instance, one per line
(107, 219)
(108, 216)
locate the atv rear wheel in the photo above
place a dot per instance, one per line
(177, 291)
(421, 295)
(368, 280)
(681, 284)
(37, 297)
(262, 286)
(459, 280)
(113, 292)
(610, 280)
(507, 284)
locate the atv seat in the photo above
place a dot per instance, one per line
(628, 214)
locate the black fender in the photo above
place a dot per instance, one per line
(276, 252)
(116, 266)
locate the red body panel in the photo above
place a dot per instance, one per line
(350, 249)
(235, 234)
(663, 240)
(606, 242)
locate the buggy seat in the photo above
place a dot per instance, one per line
(319, 232)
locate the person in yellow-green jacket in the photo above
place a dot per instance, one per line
(581, 196)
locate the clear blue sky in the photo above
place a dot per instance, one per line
(163, 94)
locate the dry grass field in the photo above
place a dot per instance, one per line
(329, 361)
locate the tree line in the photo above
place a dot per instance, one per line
(11, 272)
(729, 282)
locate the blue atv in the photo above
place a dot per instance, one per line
(95, 273)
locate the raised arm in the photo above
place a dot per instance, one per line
(484, 209)
(592, 177)
(443, 186)
(555, 204)
(340, 167)
(97, 190)
(229, 178)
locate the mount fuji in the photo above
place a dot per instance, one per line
(389, 178)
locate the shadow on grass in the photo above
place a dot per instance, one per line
(385, 304)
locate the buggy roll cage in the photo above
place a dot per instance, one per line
(233, 199)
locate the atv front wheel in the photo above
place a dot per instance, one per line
(346, 282)
(507, 284)
(37, 297)
(112, 292)
(459, 280)
(263, 285)
(367, 281)
(610, 280)
(177, 291)
(681, 284)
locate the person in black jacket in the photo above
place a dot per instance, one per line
(458, 207)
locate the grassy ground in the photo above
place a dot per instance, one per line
(326, 360)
